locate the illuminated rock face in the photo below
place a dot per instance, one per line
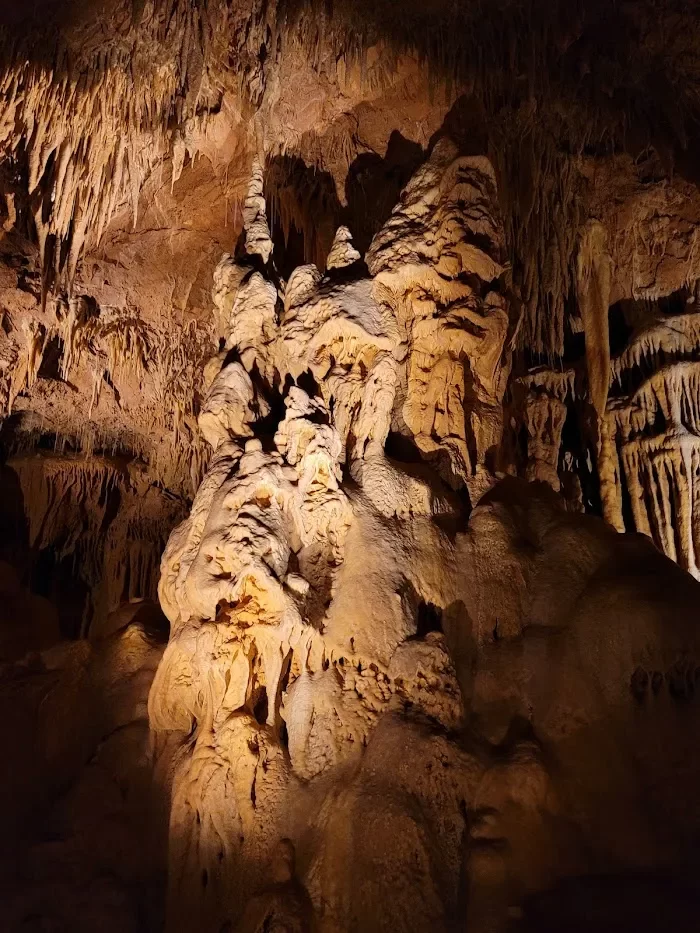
(438, 265)
(374, 714)
(299, 587)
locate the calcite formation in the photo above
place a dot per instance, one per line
(273, 666)
(644, 425)
(356, 681)
(438, 266)
(364, 339)
(109, 499)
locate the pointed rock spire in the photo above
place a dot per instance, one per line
(257, 241)
(342, 253)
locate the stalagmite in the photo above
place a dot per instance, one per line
(342, 253)
(544, 418)
(258, 242)
(441, 240)
(230, 407)
(312, 622)
(258, 583)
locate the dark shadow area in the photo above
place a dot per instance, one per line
(373, 185)
(54, 13)
(153, 621)
(613, 904)
(51, 360)
(428, 619)
(14, 530)
(58, 580)
(466, 123)
(303, 212)
(402, 448)
(575, 443)
(618, 329)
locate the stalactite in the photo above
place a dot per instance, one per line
(560, 384)
(657, 429)
(118, 348)
(87, 151)
(593, 287)
(542, 194)
(594, 267)
(88, 154)
(676, 337)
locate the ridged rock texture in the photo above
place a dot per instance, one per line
(328, 613)
(350, 466)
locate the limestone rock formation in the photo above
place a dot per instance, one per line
(438, 264)
(325, 617)
(366, 341)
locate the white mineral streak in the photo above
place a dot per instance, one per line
(294, 601)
